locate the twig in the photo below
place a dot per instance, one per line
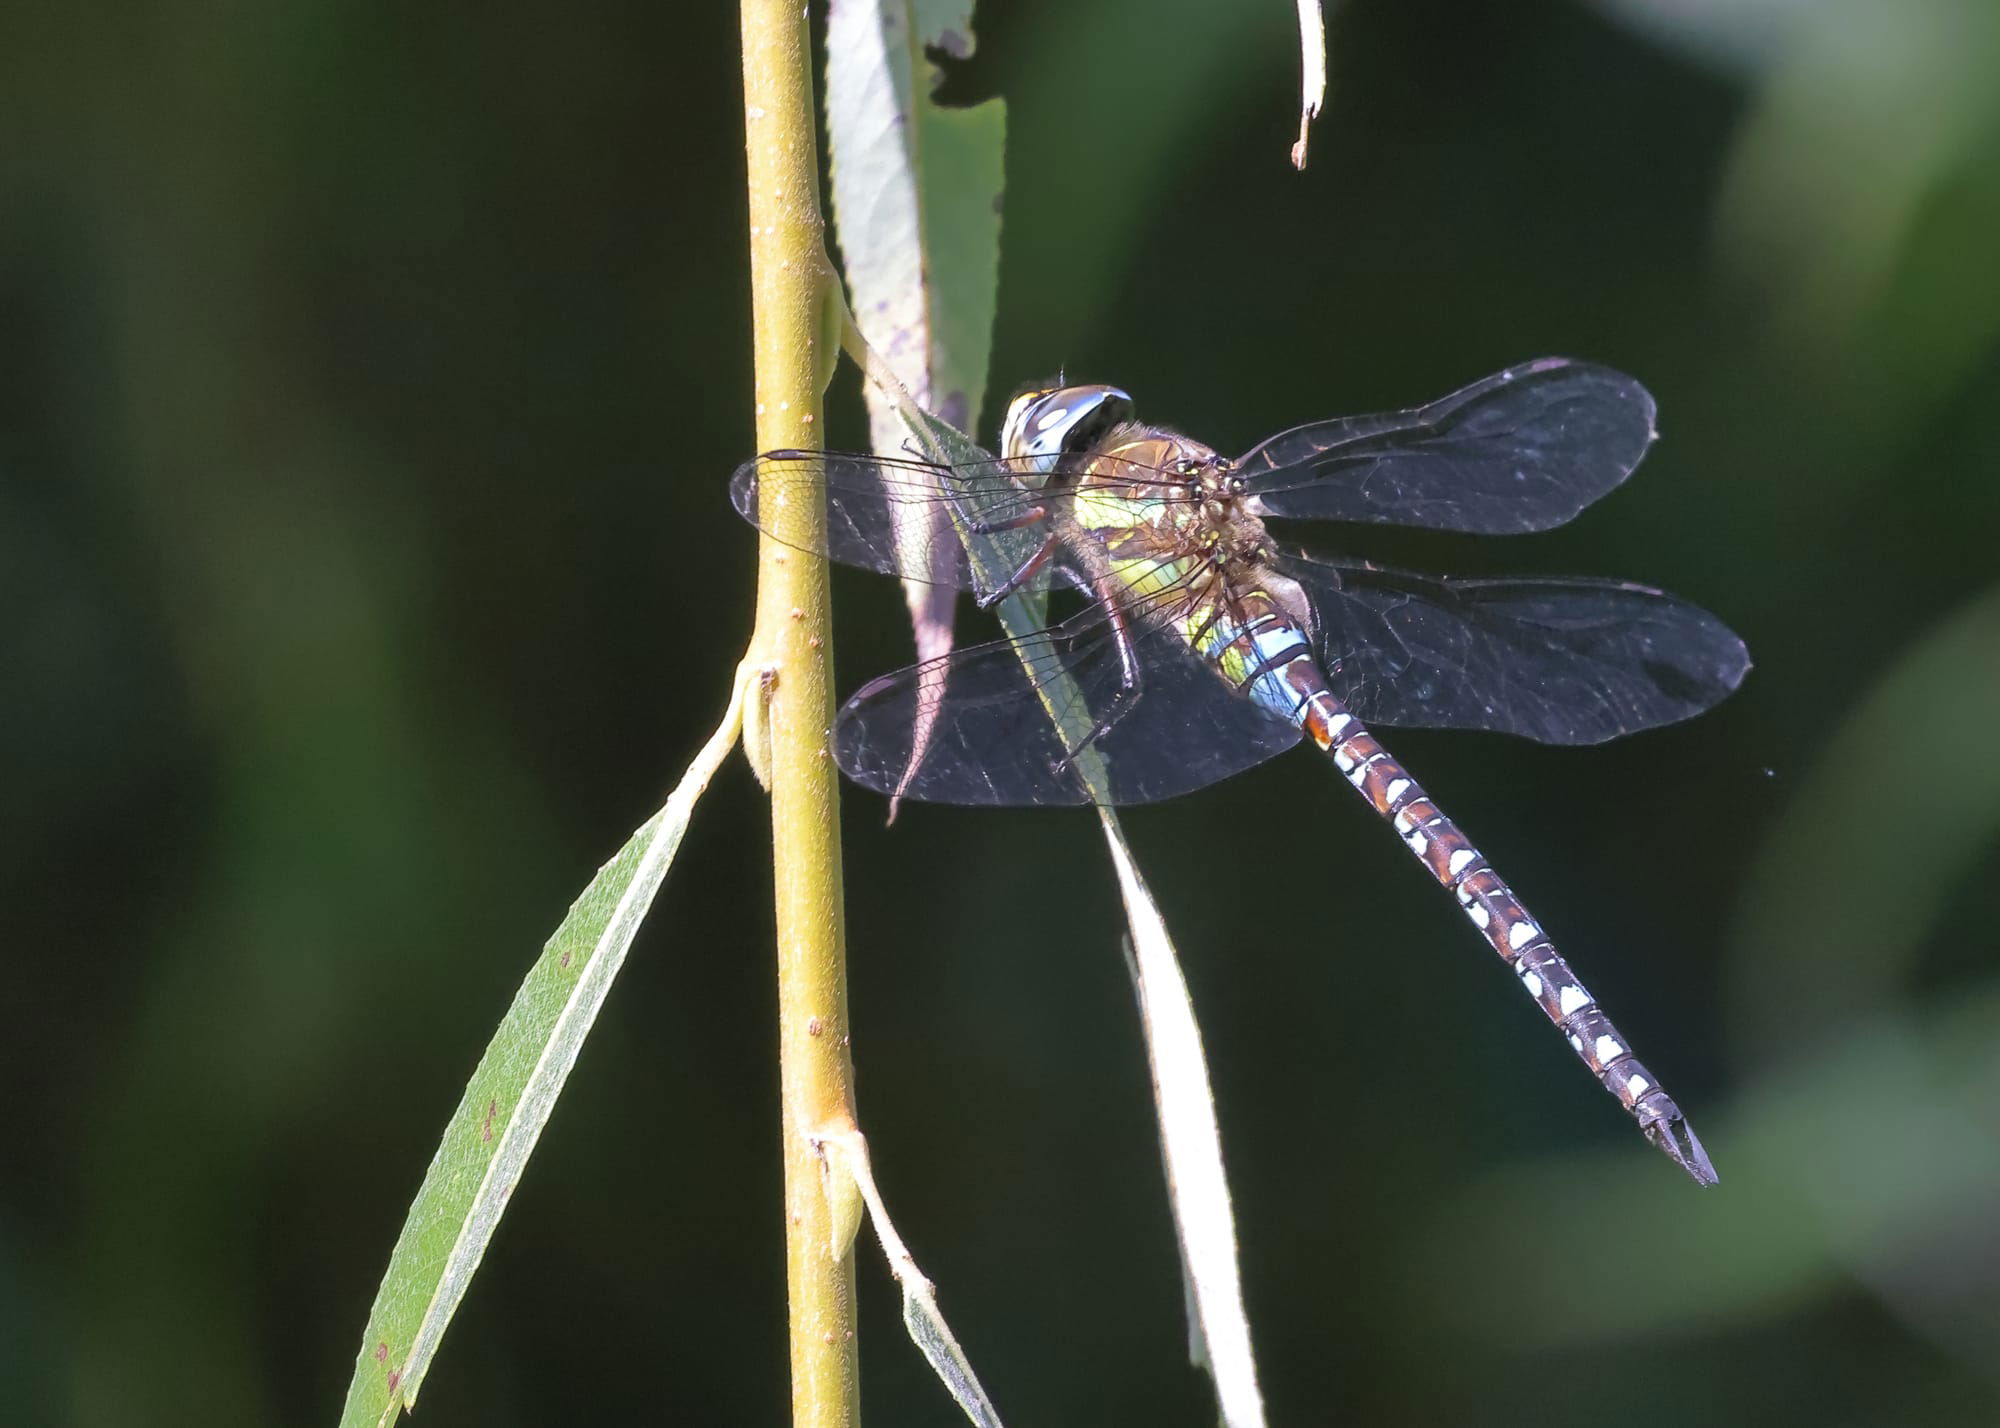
(789, 285)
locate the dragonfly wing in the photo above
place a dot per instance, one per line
(1561, 661)
(1522, 450)
(900, 515)
(994, 727)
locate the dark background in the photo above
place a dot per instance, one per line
(370, 375)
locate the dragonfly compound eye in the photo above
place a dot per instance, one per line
(1041, 427)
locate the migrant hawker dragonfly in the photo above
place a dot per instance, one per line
(1206, 646)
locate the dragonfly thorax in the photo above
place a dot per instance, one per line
(1167, 512)
(1192, 496)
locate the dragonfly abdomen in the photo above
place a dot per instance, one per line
(1259, 650)
(1492, 907)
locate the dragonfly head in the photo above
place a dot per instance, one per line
(1052, 422)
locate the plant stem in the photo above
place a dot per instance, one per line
(794, 639)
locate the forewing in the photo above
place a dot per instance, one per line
(866, 496)
(881, 511)
(1561, 661)
(1523, 450)
(1000, 706)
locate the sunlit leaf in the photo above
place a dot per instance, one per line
(1191, 1148)
(1312, 74)
(847, 1157)
(508, 1101)
(916, 206)
(1219, 1332)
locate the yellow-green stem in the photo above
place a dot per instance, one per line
(794, 639)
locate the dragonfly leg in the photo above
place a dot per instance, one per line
(1020, 577)
(1128, 669)
(1020, 520)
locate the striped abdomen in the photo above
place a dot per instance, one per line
(1265, 656)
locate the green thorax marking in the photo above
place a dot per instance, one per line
(1129, 499)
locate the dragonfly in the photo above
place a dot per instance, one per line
(1204, 645)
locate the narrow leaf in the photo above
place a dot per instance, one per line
(1312, 73)
(916, 201)
(508, 1101)
(1191, 1146)
(847, 1158)
(916, 204)
(916, 197)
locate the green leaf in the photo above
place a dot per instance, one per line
(916, 202)
(847, 1159)
(508, 1101)
(916, 206)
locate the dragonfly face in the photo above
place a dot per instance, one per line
(1205, 646)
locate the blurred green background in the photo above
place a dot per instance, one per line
(370, 375)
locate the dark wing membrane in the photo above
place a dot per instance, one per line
(1559, 661)
(995, 741)
(1523, 450)
(914, 518)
